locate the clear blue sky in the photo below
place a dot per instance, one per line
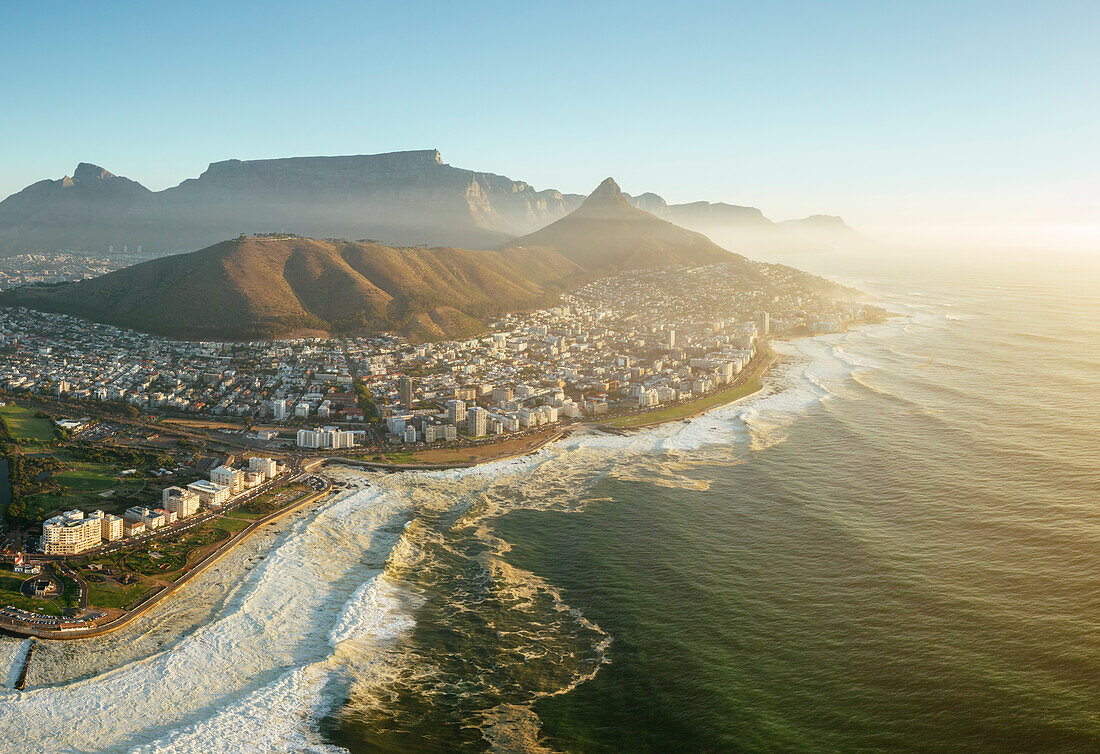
(896, 115)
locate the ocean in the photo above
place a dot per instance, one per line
(895, 546)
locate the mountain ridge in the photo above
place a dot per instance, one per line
(404, 198)
(266, 287)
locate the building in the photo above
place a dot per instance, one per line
(112, 528)
(280, 410)
(181, 502)
(477, 421)
(70, 533)
(765, 323)
(302, 410)
(153, 519)
(456, 411)
(265, 466)
(405, 391)
(229, 477)
(439, 432)
(132, 528)
(326, 438)
(210, 494)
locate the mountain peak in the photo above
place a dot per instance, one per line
(606, 201)
(607, 191)
(86, 171)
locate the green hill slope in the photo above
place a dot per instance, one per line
(255, 288)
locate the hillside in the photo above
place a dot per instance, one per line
(256, 288)
(267, 287)
(607, 233)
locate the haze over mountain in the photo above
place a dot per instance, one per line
(253, 288)
(827, 229)
(400, 198)
(607, 233)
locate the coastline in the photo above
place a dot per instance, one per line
(161, 595)
(755, 381)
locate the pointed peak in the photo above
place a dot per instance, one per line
(606, 194)
(86, 171)
(607, 189)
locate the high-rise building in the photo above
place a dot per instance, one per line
(405, 390)
(264, 466)
(765, 323)
(456, 411)
(279, 409)
(70, 533)
(182, 502)
(228, 477)
(477, 421)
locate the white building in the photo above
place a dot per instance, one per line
(280, 410)
(228, 477)
(326, 438)
(265, 466)
(153, 519)
(302, 410)
(179, 501)
(70, 533)
(210, 494)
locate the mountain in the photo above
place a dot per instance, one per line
(254, 288)
(828, 229)
(745, 228)
(265, 287)
(90, 209)
(719, 214)
(608, 233)
(399, 199)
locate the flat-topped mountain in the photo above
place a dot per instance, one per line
(399, 199)
(254, 288)
(828, 229)
(403, 198)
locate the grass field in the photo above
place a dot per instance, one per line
(751, 384)
(110, 594)
(10, 595)
(232, 524)
(10, 584)
(24, 425)
(476, 454)
(90, 477)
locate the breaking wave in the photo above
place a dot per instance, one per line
(394, 594)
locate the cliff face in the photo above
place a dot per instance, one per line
(406, 198)
(400, 198)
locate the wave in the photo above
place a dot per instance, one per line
(327, 613)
